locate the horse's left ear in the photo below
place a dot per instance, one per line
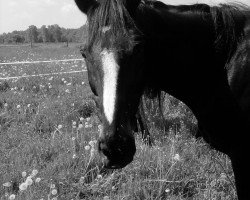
(132, 5)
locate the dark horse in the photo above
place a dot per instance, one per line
(186, 51)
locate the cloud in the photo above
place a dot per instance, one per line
(68, 7)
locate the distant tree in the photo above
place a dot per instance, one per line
(44, 34)
(32, 34)
(17, 38)
(55, 32)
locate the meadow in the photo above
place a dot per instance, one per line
(48, 133)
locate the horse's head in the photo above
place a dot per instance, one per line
(113, 57)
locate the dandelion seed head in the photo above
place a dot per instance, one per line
(176, 157)
(12, 197)
(29, 181)
(7, 184)
(38, 180)
(87, 147)
(34, 172)
(167, 190)
(23, 186)
(24, 174)
(54, 192)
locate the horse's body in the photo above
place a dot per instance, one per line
(185, 51)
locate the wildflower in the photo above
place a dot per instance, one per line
(67, 91)
(54, 192)
(176, 157)
(74, 123)
(74, 156)
(23, 186)
(24, 174)
(106, 198)
(81, 119)
(29, 181)
(80, 126)
(73, 138)
(167, 190)
(5, 105)
(12, 197)
(28, 105)
(99, 176)
(52, 186)
(87, 148)
(34, 172)
(92, 143)
(82, 83)
(18, 106)
(8, 184)
(59, 126)
(38, 180)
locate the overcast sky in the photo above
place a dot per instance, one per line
(19, 14)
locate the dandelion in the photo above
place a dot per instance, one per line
(52, 186)
(81, 119)
(5, 105)
(167, 190)
(82, 83)
(74, 123)
(92, 143)
(74, 156)
(8, 184)
(24, 174)
(87, 147)
(106, 198)
(12, 197)
(28, 105)
(54, 192)
(34, 172)
(176, 157)
(59, 126)
(23, 186)
(73, 138)
(67, 91)
(99, 176)
(38, 180)
(80, 126)
(29, 181)
(18, 106)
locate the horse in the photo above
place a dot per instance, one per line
(184, 50)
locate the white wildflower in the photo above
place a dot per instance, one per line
(24, 174)
(8, 184)
(23, 186)
(34, 172)
(54, 192)
(176, 157)
(87, 148)
(38, 180)
(12, 197)
(29, 181)
(59, 126)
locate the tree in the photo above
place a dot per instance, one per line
(18, 38)
(32, 34)
(45, 34)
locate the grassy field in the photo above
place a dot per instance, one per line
(48, 132)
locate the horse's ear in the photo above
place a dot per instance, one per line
(132, 5)
(86, 5)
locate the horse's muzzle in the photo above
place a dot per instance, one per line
(118, 153)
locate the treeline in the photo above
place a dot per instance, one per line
(51, 33)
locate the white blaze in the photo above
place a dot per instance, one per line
(110, 71)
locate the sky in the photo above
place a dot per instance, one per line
(20, 14)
